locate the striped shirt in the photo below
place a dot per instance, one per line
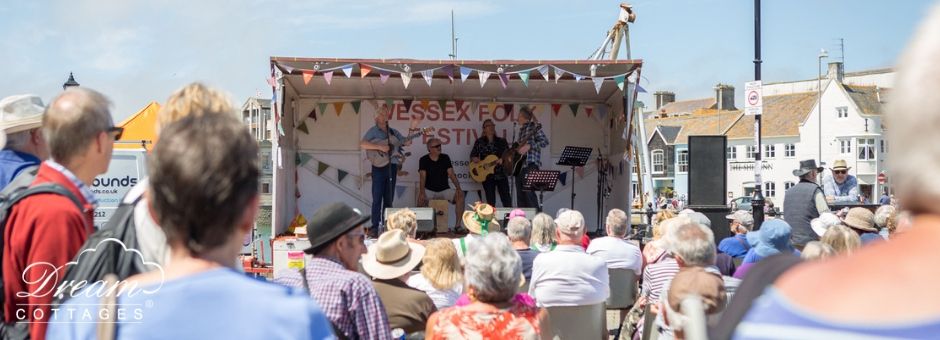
(657, 274)
(537, 142)
(347, 298)
(82, 188)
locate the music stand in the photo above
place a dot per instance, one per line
(541, 180)
(574, 156)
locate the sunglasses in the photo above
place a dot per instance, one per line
(435, 146)
(840, 172)
(116, 131)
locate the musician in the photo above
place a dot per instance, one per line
(383, 178)
(532, 148)
(435, 168)
(490, 144)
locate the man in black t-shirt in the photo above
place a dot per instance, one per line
(435, 168)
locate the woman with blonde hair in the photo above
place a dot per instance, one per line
(441, 276)
(842, 239)
(653, 251)
(406, 221)
(543, 233)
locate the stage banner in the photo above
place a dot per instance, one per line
(458, 127)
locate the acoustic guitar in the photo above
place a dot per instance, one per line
(380, 159)
(479, 170)
(519, 161)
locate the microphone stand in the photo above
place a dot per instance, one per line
(389, 190)
(512, 165)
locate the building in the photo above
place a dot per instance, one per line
(256, 113)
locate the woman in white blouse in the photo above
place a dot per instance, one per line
(441, 276)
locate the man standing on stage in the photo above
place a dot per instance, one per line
(532, 148)
(382, 186)
(491, 144)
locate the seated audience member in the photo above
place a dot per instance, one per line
(707, 286)
(816, 250)
(390, 261)
(774, 239)
(825, 221)
(406, 221)
(736, 246)
(493, 273)
(216, 154)
(862, 221)
(441, 276)
(842, 239)
(543, 233)
(654, 251)
(723, 261)
(844, 297)
(881, 219)
(519, 232)
(480, 221)
(568, 276)
(903, 223)
(614, 249)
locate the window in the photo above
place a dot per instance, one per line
(866, 149)
(842, 112)
(770, 189)
(751, 152)
(732, 152)
(658, 161)
(770, 151)
(683, 161)
(845, 146)
(884, 146)
(788, 185)
(265, 188)
(789, 150)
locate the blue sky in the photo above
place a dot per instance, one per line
(136, 52)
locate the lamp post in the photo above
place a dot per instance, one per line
(757, 202)
(69, 83)
(819, 98)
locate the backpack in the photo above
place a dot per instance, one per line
(14, 192)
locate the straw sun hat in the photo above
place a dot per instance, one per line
(481, 220)
(392, 256)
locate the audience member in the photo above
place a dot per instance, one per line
(406, 221)
(543, 233)
(25, 145)
(817, 250)
(493, 273)
(480, 221)
(903, 222)
(216, 154)
(390, 261)
(804, 202)
(774, 239)
(882, 214)
(691, 282)
(48, 228)
(842, 239)
(840, 186)
(824, 222)
(614, 249)
(736, 246)
(862, 221)
(441, 276)
(520, 232)
(568, 276)
(654, 251)
(349, 300)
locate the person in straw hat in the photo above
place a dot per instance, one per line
(840, 186)
(804, 202)
(390, 261)
(862, 221)
(480, 221)
(26, 147)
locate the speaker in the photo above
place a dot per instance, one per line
(425, 217)
(708, 175)
(720, 225)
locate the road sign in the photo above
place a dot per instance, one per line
(753, 98)
(882, 178)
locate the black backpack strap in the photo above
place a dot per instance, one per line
(763, 274)
(22, 180)
(338, 332)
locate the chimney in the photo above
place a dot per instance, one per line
(662, 98)
(835, 71)
(724, 97)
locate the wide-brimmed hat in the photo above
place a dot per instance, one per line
(392, 255)
(861, 219)
(806, 166)
(839, 164)
(822, 223)
(774, 238)
(330, 222)
(21, 112)
(481, 218)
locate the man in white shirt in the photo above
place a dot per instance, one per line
(614, 249)
(568, 276)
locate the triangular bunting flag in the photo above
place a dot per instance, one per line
(474, 107)
(574, 109)
(544, 71)
(640, 89)
(313, 114)
(598, 82)
(504, 78)
(464, 73)
(484, 76)
(563, 178)
(580, 171)
(556, 108)
(558, 74)
(442, 103)
(406, 78)
(449, 71)
(428, 76)
(619, 80)
(383, 75)
(525, 77)
(296, 162)
(303, 127)
(588, 110)
(280, 128)
(399, 190)
(288, 69)
(347, 70)
(304, 158)
(508, 108)
(356, 105)
(308, 74)
(388, 103)
(328, 75)
(271, 81)
(602, 111)
(459, 104)
(535, 109)
(407, 104)
(321, 168)
(338, 107)
(577, 77)
(364, 70)
(424, 104)
(322, 107)
(490, 108)
(340, 174)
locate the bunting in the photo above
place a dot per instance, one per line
(508, 108)
(504, 78)
(563, 178)
(322, 107)
(308, 74)
(588, 109)
(280, 128)
(449, 70)
(424, 104)
(347, 70)
(399, 190)
(574, 108)
(442, 103)
(464, 73)
(484, 76)
(459, 104)
(356, 105)
(271, 81)
(619, 80)
(556, 108)
(303, 127)
(340, 174)
(580, 171)
(598, 82)
(602, 111)
(338, 107)
(474, 106)
(328, 75)
(491, 108)
(525, 77)
(406, 78)
(304, 158)
(389, 102)
(558, 74)
(364, 70)
(544, 71)
(407, 104)
(640, 89)
(577, 77)
(313, 114)
(428, 76)
(288, 69)
(383, 75)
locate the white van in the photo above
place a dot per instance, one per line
(127, 167)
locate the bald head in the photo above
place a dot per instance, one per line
(73, 120)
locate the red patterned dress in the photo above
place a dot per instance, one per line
(520, 321)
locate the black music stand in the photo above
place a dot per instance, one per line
(574, 156)
(541, 180)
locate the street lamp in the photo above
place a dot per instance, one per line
(69, 83)
(819, 98)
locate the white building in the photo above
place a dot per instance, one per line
(256, 113)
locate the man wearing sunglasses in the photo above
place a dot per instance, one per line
(840, 186)
(435, 169)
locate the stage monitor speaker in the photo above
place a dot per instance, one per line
(425, 218)
(708, 171)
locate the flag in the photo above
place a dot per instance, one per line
(322, 107)
(504, 78)
(328, 75)
(449, 70)
(340, 174)
(383, 75)
(308, 74)
(464, 73)
(508, 108)
(424, 104)
(303, 127)
(400, 189)
(588, 110)
(347, 70)
(574, 109)
(407, 104)
(271, 81)
(428, 76)
(321, 168)
(558, 74)
(483, 77)
(563, 178)
(339, 107)
(525, 77)
(490, 108)
(598, 82)
(556, 108)
(356, 105)
(406, 78)
(304, 158)
(313, 114)
(364, 70)
(619, 81)
(544, 71)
